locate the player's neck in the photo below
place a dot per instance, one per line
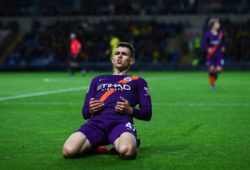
(120, 72)
(214, 31)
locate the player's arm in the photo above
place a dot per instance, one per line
(90, 105)
(145, 106)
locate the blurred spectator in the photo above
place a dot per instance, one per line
(48, 42)
(114, 41)
(74, 51)
(238, 40)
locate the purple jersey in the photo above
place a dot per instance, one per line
(215, 43)
(109, 89)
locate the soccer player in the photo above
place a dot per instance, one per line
(110, 106)
(213, 45)
(75, 48)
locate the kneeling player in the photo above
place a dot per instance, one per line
(110, 107)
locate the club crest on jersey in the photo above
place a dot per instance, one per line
(127, 79)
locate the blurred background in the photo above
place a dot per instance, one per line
(35, 34)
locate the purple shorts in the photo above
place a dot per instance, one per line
(100, 134)
(215, 61)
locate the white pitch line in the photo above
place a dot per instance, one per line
(41, 93)
(50, 80)
(41, 103)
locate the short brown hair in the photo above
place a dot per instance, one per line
(129, 46)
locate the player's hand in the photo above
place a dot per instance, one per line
(210, 51)
(123, 107)
(223, 49)
(95, 105)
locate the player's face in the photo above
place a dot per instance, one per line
(217, 25)
(122, 58)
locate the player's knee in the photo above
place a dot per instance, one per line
(219, 69)
(211, 69)
(127, 151)
(68, 151)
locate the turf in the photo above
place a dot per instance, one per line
(192, 127)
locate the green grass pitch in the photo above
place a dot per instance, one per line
(192, 126)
